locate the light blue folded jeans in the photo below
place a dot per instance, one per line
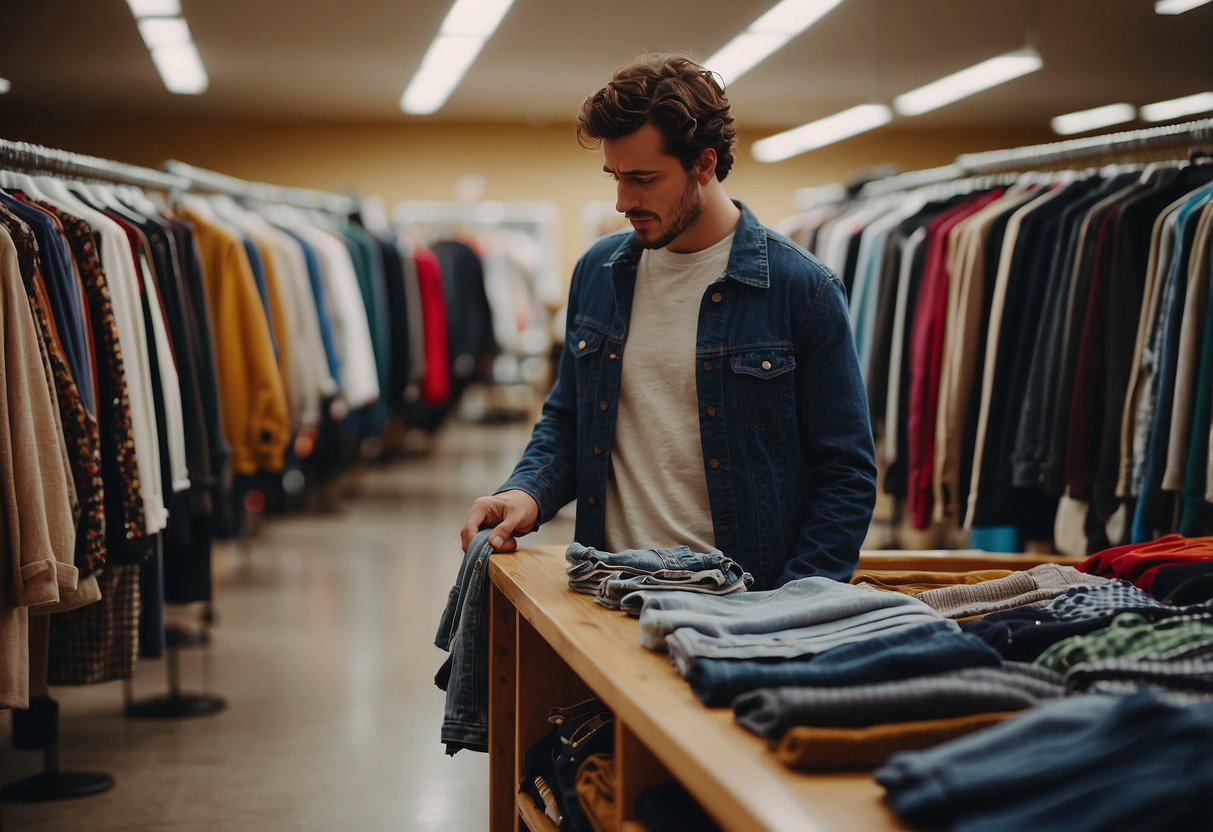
(800, 603)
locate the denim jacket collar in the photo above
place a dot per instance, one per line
(747, 258)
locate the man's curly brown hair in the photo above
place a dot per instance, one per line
(673, 93)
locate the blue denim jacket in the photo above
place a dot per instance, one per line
(783, 418)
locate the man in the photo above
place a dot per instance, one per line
(708, 393)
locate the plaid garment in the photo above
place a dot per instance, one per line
(1082, 602)
(1132, 635)
(98, 643)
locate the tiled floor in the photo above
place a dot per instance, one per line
(324, 653)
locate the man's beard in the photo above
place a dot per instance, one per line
(688, 209)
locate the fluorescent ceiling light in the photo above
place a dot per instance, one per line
(743, 53)
(1093, 119)
(1176, 6)
(766, 35)
(967, 82)
(154, 8)
(478, 18)
(180, 68)
(1202, 102)
(466, 27)
(5, 86)
(793, 16)
(442, 68)
(822, 132)
(164, 31)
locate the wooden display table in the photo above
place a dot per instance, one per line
(551, 646)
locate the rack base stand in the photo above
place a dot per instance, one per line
(36, 728)
(57, 785)
(176, 704)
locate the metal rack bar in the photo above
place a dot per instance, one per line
(221, 183)
(1071, 149)
(1049, 153)
(28, 157)
(912, 179)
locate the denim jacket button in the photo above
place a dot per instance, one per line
(597, 450)
(711, 410)
(766, 365)
(713, 463)
(581, 345)
(614, 355)
(707, 365)
(603, 405)
(592, 500)
(717, 297)
(479, 563)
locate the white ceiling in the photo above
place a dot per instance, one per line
(319, 60)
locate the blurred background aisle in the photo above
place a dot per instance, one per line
(323, 650)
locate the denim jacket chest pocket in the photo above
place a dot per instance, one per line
(588, 340)
(765, 386)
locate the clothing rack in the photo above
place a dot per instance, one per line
(1051, 153)
(201, 179)
(37, 728)
(25, 157)
(1042, 155)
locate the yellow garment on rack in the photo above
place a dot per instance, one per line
(252, 397)
(282, 328)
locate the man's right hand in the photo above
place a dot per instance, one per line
(512, 513)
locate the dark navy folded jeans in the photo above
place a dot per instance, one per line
(463, 631)
(931, 647)
(1085, 763)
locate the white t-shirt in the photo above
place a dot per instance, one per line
(657, 491)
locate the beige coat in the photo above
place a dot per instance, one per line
(36, 527)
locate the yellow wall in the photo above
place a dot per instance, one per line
(425, 162)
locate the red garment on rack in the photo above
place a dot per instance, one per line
(926, 350)
(436, 384)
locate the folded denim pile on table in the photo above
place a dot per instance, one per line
(612, 577)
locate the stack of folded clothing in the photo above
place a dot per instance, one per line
(1075, 764)
(612, 577)
(801, 618)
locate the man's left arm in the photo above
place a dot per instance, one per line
(837, 459)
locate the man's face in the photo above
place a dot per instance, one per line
(655, 192)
